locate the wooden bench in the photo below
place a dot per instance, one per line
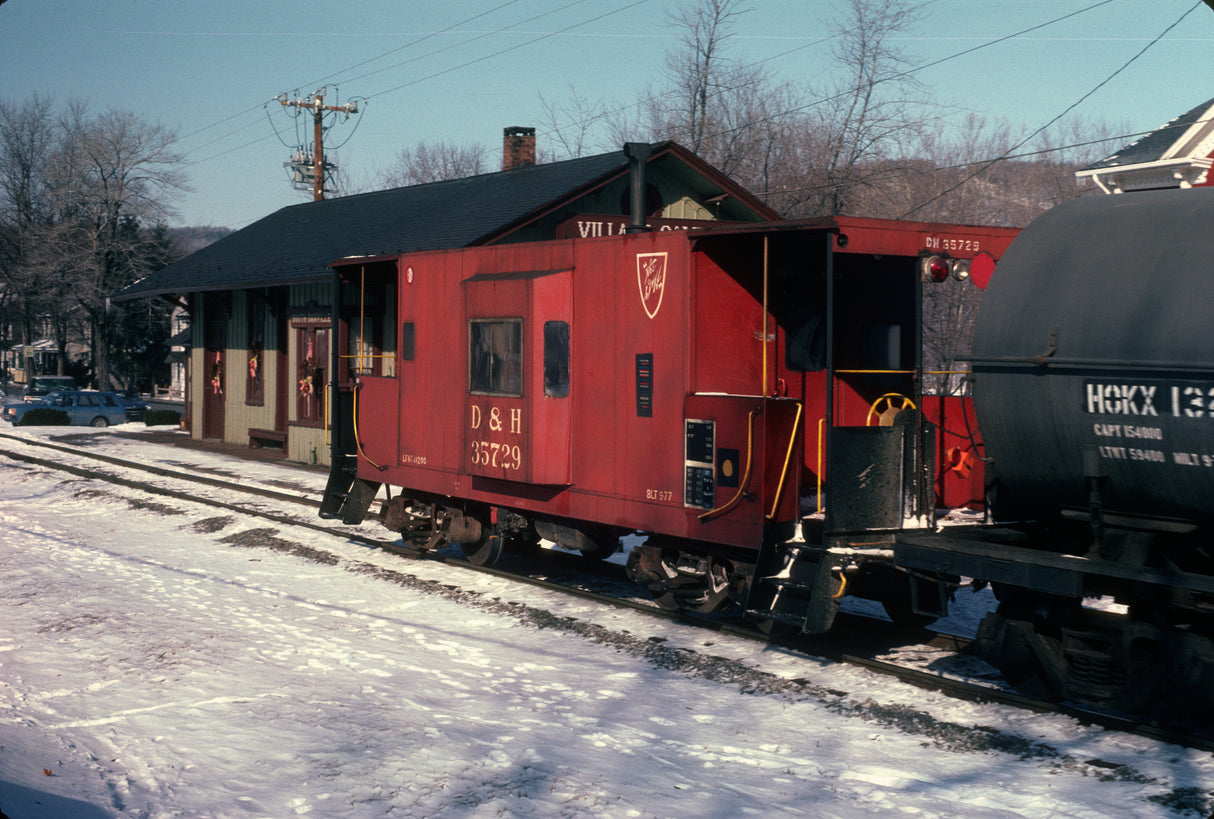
(261, 437)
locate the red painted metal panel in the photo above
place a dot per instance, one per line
(960, 474)
(377, 422)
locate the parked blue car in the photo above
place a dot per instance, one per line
(84, 408)
(135, 406)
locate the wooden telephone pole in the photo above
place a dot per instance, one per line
(316, 103)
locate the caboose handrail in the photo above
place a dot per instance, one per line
(357, 437)
(792, 443)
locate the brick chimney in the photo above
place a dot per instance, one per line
(518, 147)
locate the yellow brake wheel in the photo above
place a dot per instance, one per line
(886, 407)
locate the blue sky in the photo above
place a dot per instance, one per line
(211, 70)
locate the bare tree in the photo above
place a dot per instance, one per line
(965, 179)
(111, 174)
(569, 129)
(700, 71)
(434, 162)
(865, 116)
(27, 137)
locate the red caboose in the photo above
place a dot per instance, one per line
(689, 385)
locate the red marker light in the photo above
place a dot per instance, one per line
(934, 268)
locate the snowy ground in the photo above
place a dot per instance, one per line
(161, 660)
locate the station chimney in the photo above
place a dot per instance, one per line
(518, 147)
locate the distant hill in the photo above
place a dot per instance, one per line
(186, 240)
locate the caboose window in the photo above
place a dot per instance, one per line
(406, 341)
(556, 359)
(495, 357)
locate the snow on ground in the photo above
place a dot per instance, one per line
(168, 660)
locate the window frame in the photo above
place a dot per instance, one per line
(497, 381)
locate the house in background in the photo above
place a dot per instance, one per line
(1175, 155)
(260, 299)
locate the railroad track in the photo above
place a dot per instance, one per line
(853, 642)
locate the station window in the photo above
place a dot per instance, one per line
(495, 357)
(556, 359)
(254, 392)
(312, 348)
(362, 345)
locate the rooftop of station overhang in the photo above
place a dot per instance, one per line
(1186, 136)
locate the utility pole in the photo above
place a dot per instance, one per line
(316, 103)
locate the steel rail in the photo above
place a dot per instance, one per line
(818, 648)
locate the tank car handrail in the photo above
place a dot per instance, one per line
(1096, 363)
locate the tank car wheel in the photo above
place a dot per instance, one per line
(1009, 651)
(99, 422)
(886, 407)
(487, 551)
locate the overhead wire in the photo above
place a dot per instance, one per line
(629, 6)
(507, 50)
(833, 98)
(916, 69)
(410, 44)
(1066, 111)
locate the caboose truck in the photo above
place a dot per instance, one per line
(1094, 390)
(691, 386)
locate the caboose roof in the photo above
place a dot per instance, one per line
(296, 244)
(1177, 154)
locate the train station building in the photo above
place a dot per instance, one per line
(260, 299)
(1178, 154)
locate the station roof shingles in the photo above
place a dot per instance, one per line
(297, 243)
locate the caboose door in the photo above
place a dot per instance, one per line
(517, 414)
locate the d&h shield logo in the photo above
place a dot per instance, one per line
(651, 279)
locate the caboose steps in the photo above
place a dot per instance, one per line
(342, 475)
(794, 584)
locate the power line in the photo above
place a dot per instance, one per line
(410, 44)
(1068, 109)
(315, 104)
(507, 50)
(897, 76)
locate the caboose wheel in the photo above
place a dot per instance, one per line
(703, 594)
(677, 583)
(487, 551)
(886, 407)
